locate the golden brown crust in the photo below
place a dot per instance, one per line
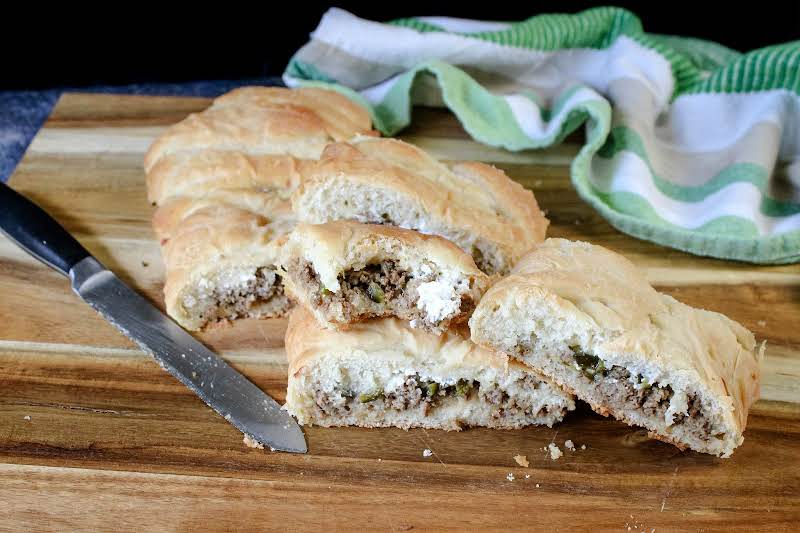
(293, 131)
(516, 204)
(306, 339)
(342, 117)
(196, 174)
(261, 120)
(175, 215)
(470, 202)
(185, 182)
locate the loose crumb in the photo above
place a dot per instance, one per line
(527, 476)
(583, 446)
(250, 442)
(27, 417)
(568, 444)
(426, 453)
(537, 485)
(555, 451)
(510, 476)
(522, 460)
(379, 459)
(762, 323)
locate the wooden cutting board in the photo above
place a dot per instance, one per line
(93, 434)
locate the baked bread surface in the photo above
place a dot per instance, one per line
(221, 180)
(573, 296)
(475, 205)
(426, 279)
(198, 173)
(222, 255)
(381, 373)
(266, 120)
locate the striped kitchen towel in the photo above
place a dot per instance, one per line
(688, 144)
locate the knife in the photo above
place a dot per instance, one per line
(224, 389)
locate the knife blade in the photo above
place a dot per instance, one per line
(221, 387)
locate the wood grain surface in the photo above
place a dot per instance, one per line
(94, 435)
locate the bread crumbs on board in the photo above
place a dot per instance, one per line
(426, 452)
(522, 460)
(555, 451)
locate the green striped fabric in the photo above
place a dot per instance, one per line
(774, 67)
(688, 144)
(594, 28)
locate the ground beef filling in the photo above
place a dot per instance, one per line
(239, 302)
(416, 392)
(377, 290)
(620, 391)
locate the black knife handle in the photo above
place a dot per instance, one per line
(38, 233)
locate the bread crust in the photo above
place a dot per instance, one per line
(606, 298)
(343, 244)
(210, 240)
(266, 120)
(386, 343)
(221, 180)
(197, 174)
(305, 340)
(336, 247)
(342, 117)
(468, 202)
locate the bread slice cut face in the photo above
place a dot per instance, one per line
(346, 272)
(384, 373)
(588, 319)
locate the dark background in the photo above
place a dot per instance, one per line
(125, 43)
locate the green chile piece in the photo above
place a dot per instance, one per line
(432, 388)
(375, 292)
(463, 387)
(590, 364)
(366, 397)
